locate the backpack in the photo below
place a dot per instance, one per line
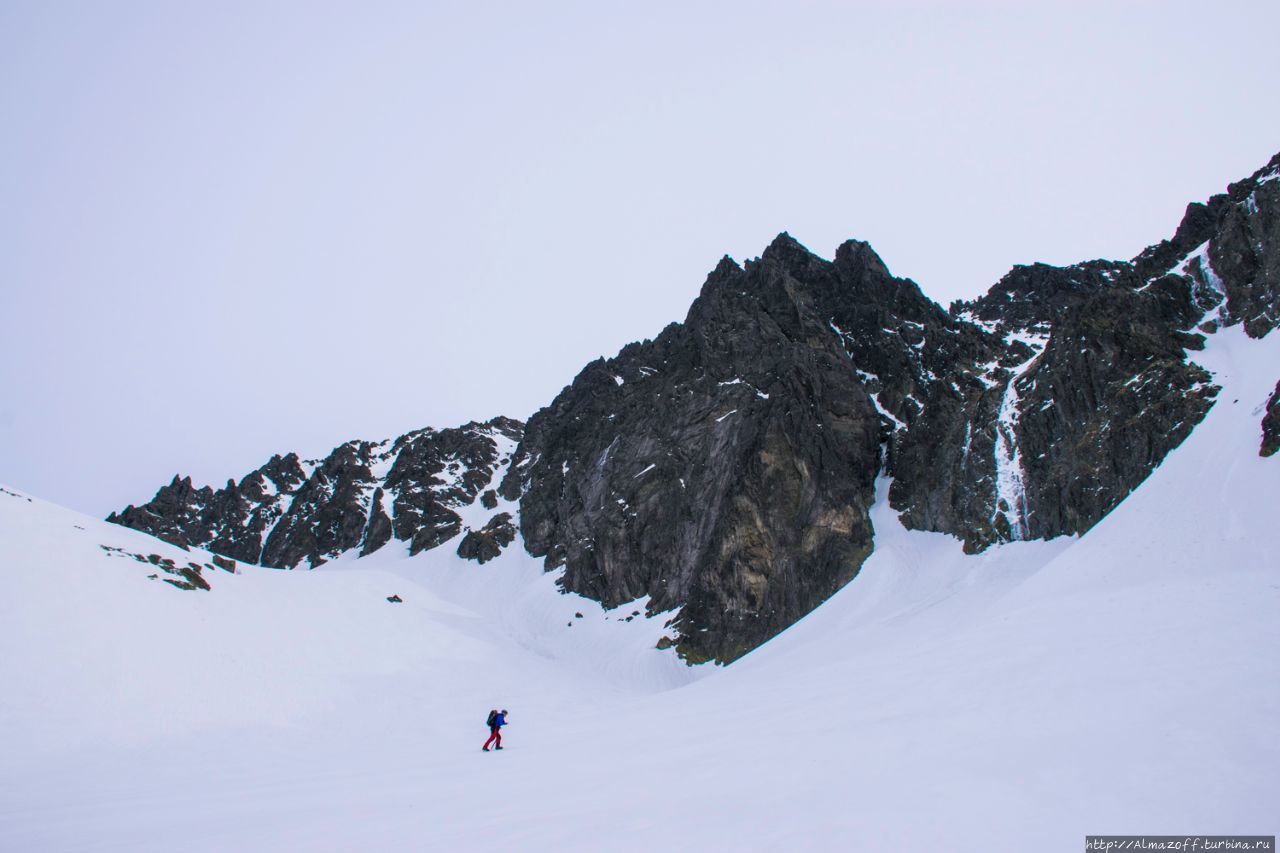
(493, 715)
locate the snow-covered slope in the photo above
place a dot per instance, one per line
(1122, 682)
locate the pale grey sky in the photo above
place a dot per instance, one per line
(232, 229)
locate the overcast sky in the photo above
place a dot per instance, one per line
(235, 229)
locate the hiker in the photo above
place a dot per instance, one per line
(497, 719)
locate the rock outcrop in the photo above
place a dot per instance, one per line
(1107, 392)
(486, 543)
(1271, 425)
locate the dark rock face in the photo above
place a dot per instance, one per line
(486, 543)
(1271, 425)
(379, 531)
(728, 466)
(174, 510)
(1112, 393)
(230, 521)
(290, 511)
(1107, 393)
(328, 512)
(725, 469)
(1111, 390)
(437, 472)
(1243, 251)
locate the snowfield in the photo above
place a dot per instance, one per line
(1123, 682)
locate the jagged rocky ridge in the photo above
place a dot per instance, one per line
(362, 496)
(725, 469)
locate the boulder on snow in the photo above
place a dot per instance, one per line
(189, 579)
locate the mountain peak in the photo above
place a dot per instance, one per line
(785, 249)
(726, 266)
(858, 256)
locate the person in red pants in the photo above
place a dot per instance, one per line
(497, 719)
